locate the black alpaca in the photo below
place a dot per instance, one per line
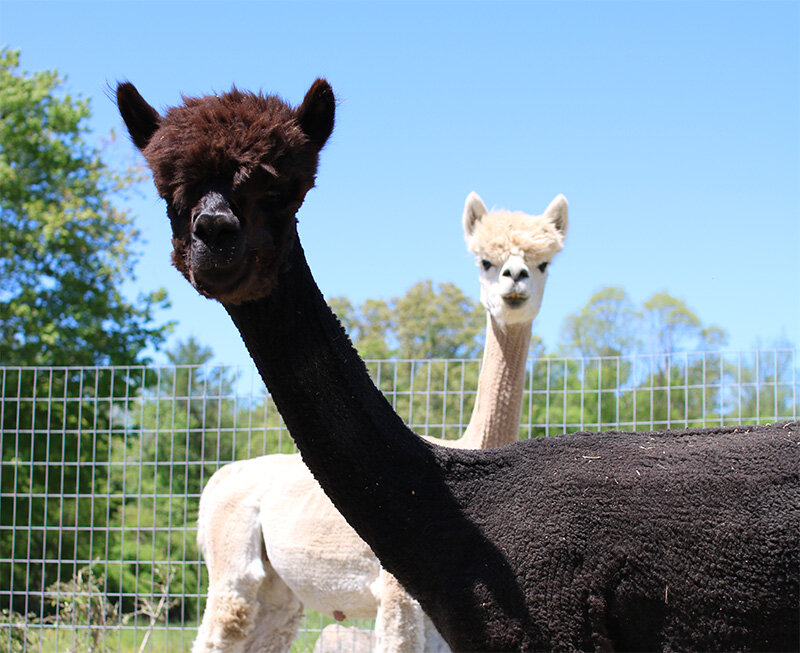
(659, 541)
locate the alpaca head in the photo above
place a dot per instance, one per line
(513, 250)
(233, 170)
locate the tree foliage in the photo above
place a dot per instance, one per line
(653, 366)
(429, 321)
(65, 248)
(188, 420)
(673, 326)
(178, 419)
(59, 434)
(610, 324)
(605, 326)
(65, 251)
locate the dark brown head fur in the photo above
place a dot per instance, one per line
(233, 169)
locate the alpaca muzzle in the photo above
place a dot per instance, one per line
(515, 299)
(218, 242)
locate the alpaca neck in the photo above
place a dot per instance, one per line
(405, 497)
(346, 431)
(498, 403)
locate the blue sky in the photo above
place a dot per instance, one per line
(673, 129)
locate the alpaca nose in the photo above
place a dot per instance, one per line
(215, 227)
(515, 269)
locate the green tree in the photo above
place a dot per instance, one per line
(425, 329)
(182, 426)
(65, 251)
(437, 322)
(370, 326)
(59, 429)
(426, 322)
(760, 386)
(65, 248)
(608, 325)
(666, 388)
(673, 326)
(675, 391)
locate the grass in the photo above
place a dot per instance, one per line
(66, 639)
(162, 639)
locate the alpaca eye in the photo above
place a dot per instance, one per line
(543, 266)
(486, 264)
(272, 196)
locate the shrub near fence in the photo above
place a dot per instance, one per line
(102, 468)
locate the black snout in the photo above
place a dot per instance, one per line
(218, 238)
(214, 228)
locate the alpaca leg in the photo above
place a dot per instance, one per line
(252, 612)
(248, 606)
(277, 618)
(400, 622)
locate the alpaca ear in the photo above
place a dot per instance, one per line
(140, 118)
(315, 114)
(557, 213)
(474, 210)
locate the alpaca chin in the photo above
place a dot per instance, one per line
(236, 288)
(522, 311)
(214, 285)
(224, 261)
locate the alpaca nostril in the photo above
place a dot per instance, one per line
(516, 275)
(211, 228)
(202, 227)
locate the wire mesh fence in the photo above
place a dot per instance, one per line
(102, 468)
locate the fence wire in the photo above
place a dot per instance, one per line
(102, 468)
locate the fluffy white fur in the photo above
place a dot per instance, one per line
(273, 541)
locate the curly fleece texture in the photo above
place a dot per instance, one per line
(226, 137)
(671, 540)
(514, 232)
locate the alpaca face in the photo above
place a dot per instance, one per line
(514, 251)
(233, 170)
(510, 291)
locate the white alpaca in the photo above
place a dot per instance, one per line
(273, 541)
